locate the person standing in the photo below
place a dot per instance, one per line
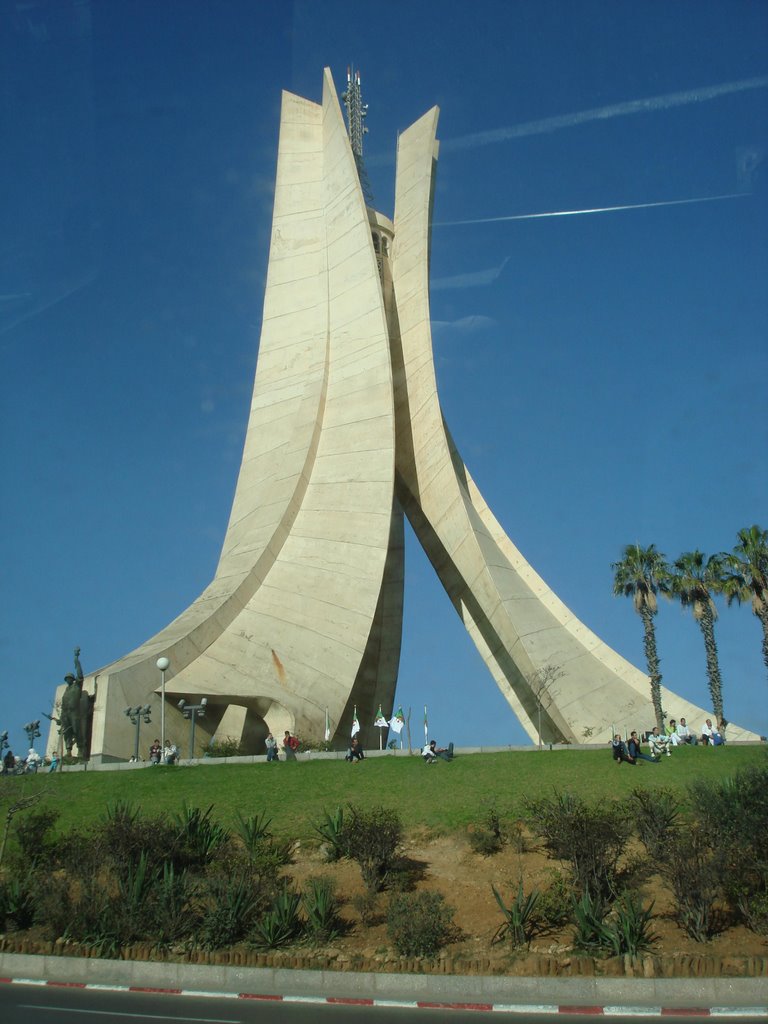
(271, 745)
(290, 746)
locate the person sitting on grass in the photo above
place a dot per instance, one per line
(710, 735)
(633, 746)
(428, 753)
(619, 750)
(671, 732)
(659, 744)
(684, 734)
(445, 752)
(355, 752)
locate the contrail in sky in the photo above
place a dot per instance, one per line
(652, 103)
(595, 209)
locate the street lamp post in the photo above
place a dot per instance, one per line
(162, 664)
(32, 729)
(192, 712)
(136, 716)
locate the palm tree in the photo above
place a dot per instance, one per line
(746, 576)
(642, 574)
(695, 578)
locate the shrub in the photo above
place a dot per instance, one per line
(419, 924)
(553, 908)
(253, 831)
(321, 907)
(226, 747)
(631, 927)
(331, 830)
(17, 902)
(230, 910)
(372, 837)
(34, 837)
(281, 924)
(519, 919)
(198, 838)
(656, 814)
(486, 836)
(626, 931)
(734, 812)
(591, 838)
(591, 933)
(692, 871)
(173, 914)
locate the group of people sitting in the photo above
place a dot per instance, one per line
(33, 762)
(659, 743)
(168, 754)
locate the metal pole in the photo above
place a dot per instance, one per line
(162, 706)
(193, 716)
(138, 727)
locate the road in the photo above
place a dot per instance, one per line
(40, 1004)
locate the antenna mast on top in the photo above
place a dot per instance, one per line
(357, 111)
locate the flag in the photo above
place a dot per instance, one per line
(380, 719)
(397, 721)
(426, 726)
(327, 726)
(355, 723)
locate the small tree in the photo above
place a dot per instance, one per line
(372, 837)
(541, 682)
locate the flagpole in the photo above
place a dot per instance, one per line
(426, 727)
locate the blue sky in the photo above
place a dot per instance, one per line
(604, 375)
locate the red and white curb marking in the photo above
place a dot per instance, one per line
(422, 1004)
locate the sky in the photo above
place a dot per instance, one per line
(604, 373)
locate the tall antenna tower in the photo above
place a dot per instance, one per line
(357, 111)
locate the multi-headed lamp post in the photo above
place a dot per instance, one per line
(32, 729)
(162, 664)
(193, 711)
(137, 715)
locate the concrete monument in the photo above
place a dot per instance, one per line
(303, 617)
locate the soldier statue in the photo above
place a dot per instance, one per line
(73, 724)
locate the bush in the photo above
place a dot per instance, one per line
(519, 916)
(321, 907)
(486, 837)
(419, 924)
(372, 837)
(656, 814)
(734, 813)
(331, 830)
(227, 747)
(553, 908)
(281, 924)
(626, 931)
(34, 837)
(591, 838)
(253, 831)
(230, 911)
(692, 871)
(198, 837)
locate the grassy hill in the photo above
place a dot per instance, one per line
(441, 799)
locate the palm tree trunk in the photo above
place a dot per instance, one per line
(763, 616)
(713, 666)
(652, 660)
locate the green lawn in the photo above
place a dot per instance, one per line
(440, 798)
